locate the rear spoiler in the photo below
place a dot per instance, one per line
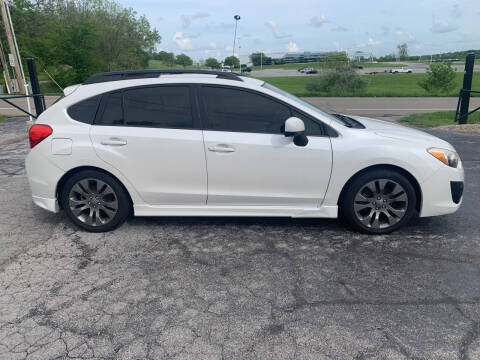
(70, 89)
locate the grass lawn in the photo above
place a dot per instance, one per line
(321, 65)
(437, 119)
(2, 118)
(388, 85)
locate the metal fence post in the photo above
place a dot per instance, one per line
(467, 87)
(32, 71)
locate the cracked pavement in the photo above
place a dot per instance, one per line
(237, 288)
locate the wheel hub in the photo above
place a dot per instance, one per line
(380, 203)
(93, 202)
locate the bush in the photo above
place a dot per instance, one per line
(440, 78)
(343, 80)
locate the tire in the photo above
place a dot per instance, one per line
(379, 202)
(95, 201)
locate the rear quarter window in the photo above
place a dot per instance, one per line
(85, 110)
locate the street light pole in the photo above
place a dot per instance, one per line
(236, 17)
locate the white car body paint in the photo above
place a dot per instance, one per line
(172, 172)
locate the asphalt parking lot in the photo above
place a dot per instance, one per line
(230, 288)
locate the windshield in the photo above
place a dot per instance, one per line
(304, 103)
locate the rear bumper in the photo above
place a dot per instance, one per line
(442, 193)
(46, 203)
(43, 177)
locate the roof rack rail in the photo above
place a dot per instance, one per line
(144, 74)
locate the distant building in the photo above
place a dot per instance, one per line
(292, 57)
(304, 57)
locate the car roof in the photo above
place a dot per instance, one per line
(87, 90)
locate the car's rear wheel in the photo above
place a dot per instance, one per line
(95, 201)
(379, 201)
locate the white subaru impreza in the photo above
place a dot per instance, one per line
(202, 143)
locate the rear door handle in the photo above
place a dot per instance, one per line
(221, 149)
(114, 142)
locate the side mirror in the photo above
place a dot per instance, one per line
(295, 127)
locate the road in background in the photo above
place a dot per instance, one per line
(416, 68)
(363, 106)
(387, 107)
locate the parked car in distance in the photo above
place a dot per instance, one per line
(225, 68)
(357, 66)
(247, 69)
(301, 69)
(308, 70)
(401, 70)
(145, 143)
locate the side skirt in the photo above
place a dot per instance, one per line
(267, 211)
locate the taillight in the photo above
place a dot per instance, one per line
(38, 133)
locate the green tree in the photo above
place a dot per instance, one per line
(212, 63)
(76, 38)
(168, 58)
(232, 61)
(440, 78)
(259, 57)
(403, 51)
(183, 60)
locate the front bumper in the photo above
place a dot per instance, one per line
(442, 193)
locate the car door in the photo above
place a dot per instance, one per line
(249, 160)
(152, 136)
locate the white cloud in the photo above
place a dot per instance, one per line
(340, 28)
(440, 26)
(219, 26)
(212, 45)
(183, 42)
(275, 30)
(370, 42)
(187, 20)
(200, 15)
(403, 35)
(456, 10)
(292, 47)
(318, 21)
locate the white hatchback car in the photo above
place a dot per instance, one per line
(202, 143)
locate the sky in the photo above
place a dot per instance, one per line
(205, 28)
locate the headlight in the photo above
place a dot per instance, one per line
(448, 157)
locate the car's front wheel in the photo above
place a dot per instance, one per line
(379, 201)
(95, 201)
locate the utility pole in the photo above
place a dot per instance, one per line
(6, 74)
(11, 45)
(236, 17)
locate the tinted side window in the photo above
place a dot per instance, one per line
(242, 111)
(113, 111)
(84, 111)
(165, 106)
(312, 128)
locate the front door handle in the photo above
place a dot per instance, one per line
(114, 142)
(221, 149)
